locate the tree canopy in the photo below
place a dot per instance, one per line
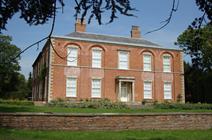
(198, 44)
(36, 12)
(12, 83)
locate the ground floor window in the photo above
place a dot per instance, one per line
(96, 88)
(147, 89)
(167, 90)
(71, 87)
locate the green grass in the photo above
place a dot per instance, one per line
(14, 134)
(32, 108)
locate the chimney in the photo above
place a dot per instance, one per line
(135, 32)
(80, 27)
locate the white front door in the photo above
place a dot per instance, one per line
(124, 94)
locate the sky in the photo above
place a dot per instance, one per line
(149, 15)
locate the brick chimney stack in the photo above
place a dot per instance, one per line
(80, 27)
(135, 32)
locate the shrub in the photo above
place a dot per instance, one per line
(16, 102)
(88, 103)
(187, 106)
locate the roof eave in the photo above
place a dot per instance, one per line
(114, 42)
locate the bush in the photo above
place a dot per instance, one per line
(187, 106)
(88, 103)
(16, 102)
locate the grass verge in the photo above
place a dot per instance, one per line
(30, 108)
(14, 134)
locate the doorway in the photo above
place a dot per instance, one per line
(125, 91)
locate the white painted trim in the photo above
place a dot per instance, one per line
(128, 59)
(147, 54)
(171, 83)
(73, 77)
(150, 81)
(97, 78)
(92, 54)
(50, 68)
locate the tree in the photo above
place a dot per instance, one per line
(198, 44)
(197, 85)
(12, 83)
(36, 12)
(29, 86)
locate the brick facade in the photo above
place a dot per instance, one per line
(57, 70)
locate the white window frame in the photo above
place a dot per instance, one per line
(146, 63)
(72, 60)
(98, 59)
(121, 61)
(69, 85)
(167, 96)
(150, 90)
(166, 64)
(92, 88)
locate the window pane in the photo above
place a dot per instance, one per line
(71, 87)
(96, 88)
(123, 60)
(72, 55)
(147, 90)
(147, 62)
(167, 90)
(96, 58)
(166, 63)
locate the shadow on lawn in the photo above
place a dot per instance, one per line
(14, 109)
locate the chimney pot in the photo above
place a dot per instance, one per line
(80, 26)
(135, 32)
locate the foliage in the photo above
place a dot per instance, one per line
(32, 11)
(58, 109)
(187, 106)
(8, 51)
(29, 86)
(99, 103)
(198, 44)
(15, 134)
(98, 7)
(197, 85)
(16, 102)
(13, 84)
(36, 12)
(204, 6)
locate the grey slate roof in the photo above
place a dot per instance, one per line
(140, 42)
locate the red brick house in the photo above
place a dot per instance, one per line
(83, 65)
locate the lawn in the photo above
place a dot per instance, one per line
(32, 108)
(14, 134)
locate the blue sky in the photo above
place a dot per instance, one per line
(149, 15)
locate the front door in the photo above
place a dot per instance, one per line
(125, 94)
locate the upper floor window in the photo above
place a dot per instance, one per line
(72, 56)
(123, 60)
(167, 89)
(96, 88)
(71, 87)
(147, 90)
(166, 63)
(96, 58)
(147, 62)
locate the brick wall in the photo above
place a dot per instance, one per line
(164, 121)
(109, 71)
